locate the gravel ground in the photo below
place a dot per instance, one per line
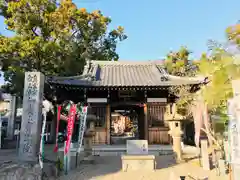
(109, 168)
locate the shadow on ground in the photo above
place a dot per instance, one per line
(110, 165)
(165, 161)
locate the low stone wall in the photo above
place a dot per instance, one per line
(17, 171)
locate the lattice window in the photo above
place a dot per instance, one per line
(100, 112)
(156, 114)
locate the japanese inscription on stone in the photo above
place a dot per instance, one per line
(31, 96)
(31, 118)
(137, 147)
(234, 129)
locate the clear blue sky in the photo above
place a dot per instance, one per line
(154, 27)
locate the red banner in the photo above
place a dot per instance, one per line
(71, 119)
(57, 128)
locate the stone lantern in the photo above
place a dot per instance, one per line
(88, 138)
(174, 121)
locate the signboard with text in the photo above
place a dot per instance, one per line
(137, 147)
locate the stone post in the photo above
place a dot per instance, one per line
(177, 139)
(235, 171)
(87, 146)
(204, 155)
(12, 117)
(176, 133)
(31, 117)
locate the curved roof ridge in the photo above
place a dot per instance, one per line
(126, 73)
(195, 78)
(123, 62)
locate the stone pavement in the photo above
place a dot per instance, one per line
(109, 168)
(7, 155)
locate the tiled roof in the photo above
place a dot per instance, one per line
(120, 73)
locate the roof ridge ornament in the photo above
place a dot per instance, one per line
(87, 67)
(165, 75)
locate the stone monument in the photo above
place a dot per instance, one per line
(137, 157)
(32, 116)
(135, 147)
(234, 130)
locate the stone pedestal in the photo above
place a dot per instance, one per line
(222, 167)
(31, 117)
(177, 148)
(235, 171)
(88, 138)
(138, 163)
(137, 157)
(88, 149)
(204, 154)
(176, 133)
(68, 158)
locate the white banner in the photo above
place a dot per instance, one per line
(41, 149)
(82, 127)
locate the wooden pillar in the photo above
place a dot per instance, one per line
(108, 123)
(145, 122)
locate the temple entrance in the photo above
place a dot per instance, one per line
(127, 123)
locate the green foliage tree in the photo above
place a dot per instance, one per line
(178, 64)
(233, 33)
(220, 69)
(55, 39)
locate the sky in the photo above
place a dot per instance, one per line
(155, 27)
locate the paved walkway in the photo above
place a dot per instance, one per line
(109, 168)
